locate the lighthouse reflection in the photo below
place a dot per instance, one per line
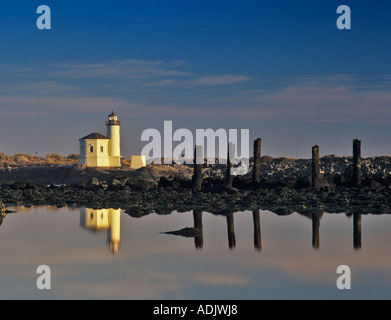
(108, 220)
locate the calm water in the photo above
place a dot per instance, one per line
(108, 254)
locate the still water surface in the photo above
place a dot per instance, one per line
(107, 254)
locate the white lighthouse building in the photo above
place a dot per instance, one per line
(97, 150)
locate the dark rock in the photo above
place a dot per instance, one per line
(166, 183)
(302, 183)
(372, 184)
(183, 183)
(138, 212)
(185, 232)
(141, 183)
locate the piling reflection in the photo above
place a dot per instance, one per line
(103, 219)
(315, 228)
(356, 231)
(315, 216)
(257, 230)
(199, 239)
(109, 220)
(197, 231)
(231, 230)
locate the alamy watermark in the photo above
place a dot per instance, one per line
(183, 153)
(344, 280)
(44, 280)
(44, 20)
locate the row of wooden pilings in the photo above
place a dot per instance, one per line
(315, 174)
(356, 166)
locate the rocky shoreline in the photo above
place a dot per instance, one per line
(284, 188)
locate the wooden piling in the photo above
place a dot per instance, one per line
(231, 155)
(198, 162)
(257, 162)
(315, 175)
(356, 178)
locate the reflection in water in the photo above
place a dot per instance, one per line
(357, 231)
(257, 230)
(315, 228)
(231, 230)
(197, 231)
(2, 217)
(315, 216)
(167, 267)
(199, 239)
(110, 220)
(103, 219)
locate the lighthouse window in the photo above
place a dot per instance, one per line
(91, 149)
(101, 149)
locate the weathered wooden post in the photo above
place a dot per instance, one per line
(356, 179)
(257, 230)
(198, 162)
(257, 162)
(197, 217)
(315, 175)
(231, 154)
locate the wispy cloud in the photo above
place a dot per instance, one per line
(206, 81)
(218, 80)
(111, 75)
(118, 69)
(134, 86)
(323, 101)
(29, 106)
(168, 73)
(36, 88)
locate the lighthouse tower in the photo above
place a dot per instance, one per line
(114, 143)
(96, 150)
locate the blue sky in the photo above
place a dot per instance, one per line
(279, 68)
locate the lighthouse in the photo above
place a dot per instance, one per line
(97, 150)
(113, 133)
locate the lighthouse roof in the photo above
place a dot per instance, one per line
(112, 114)
(95, 135)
